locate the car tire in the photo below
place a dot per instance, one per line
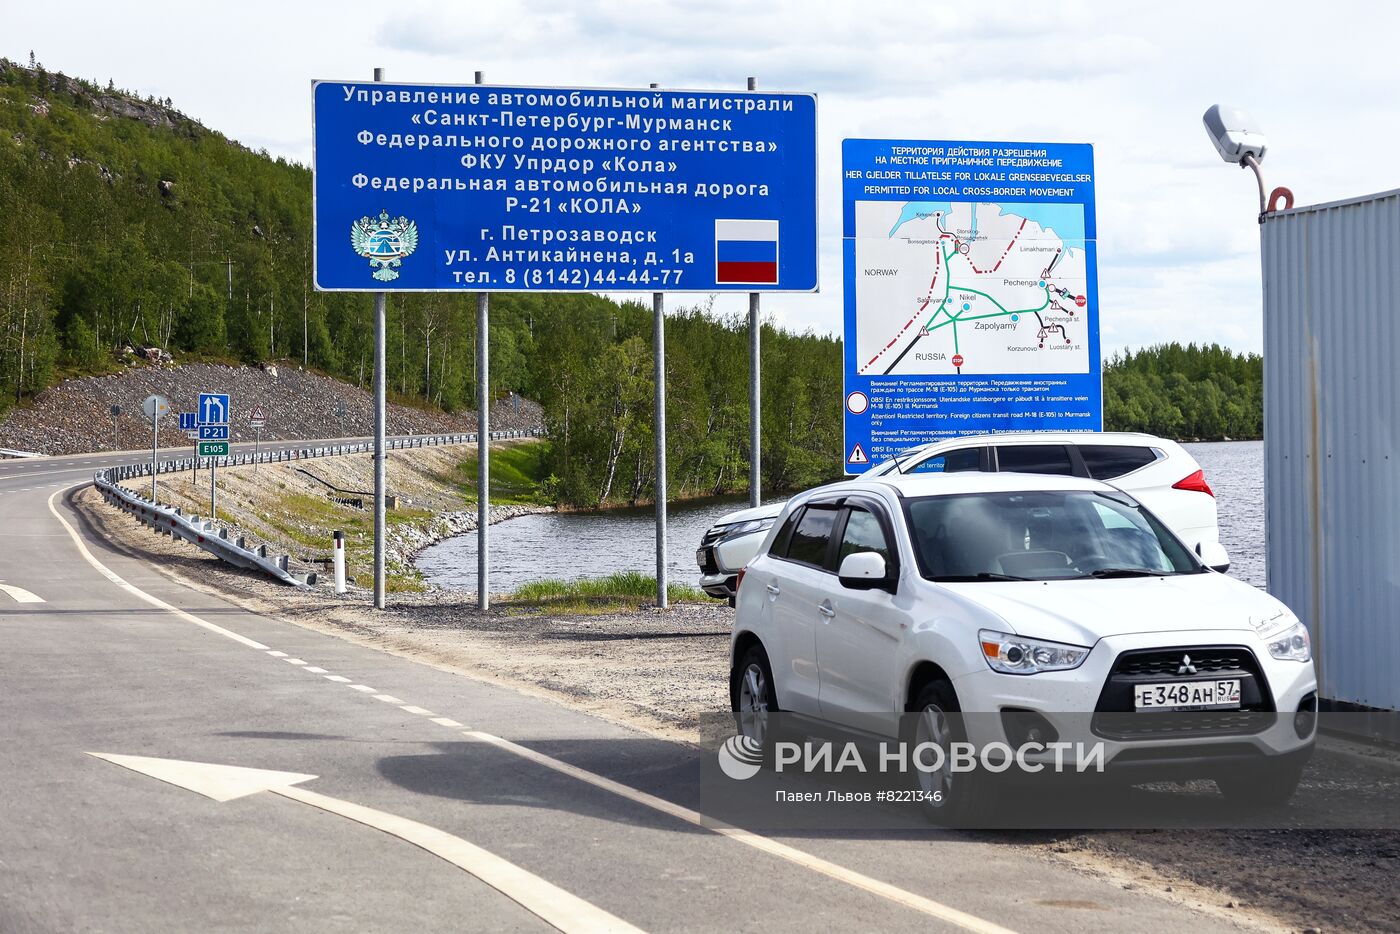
(1260, 787)
(966, 799)
(753, 698)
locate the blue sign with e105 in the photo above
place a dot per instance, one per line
(485, 188)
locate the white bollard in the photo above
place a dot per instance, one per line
(339, 561)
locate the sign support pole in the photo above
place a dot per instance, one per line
(755, 390)
(658, 301)
(155, 447)
(483, 454)
(380, 303)
(213, 494)
(659, 306)
(483, 443)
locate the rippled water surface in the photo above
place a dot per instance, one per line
(574, 545)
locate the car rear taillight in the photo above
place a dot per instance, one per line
(1196, 482)
(739, 581)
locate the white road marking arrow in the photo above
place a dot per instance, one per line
(550, 903)
(20, 594)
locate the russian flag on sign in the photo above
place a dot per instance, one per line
(746, 252)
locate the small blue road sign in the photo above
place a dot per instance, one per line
(472, 188)
(213, 432)
(213, 408)
(189, 421)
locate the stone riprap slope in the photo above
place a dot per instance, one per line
(74, 417)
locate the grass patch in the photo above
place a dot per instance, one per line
(601, 594)
(519, 475)
(307, 520)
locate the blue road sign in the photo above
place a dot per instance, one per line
(213, 408)
(188, 421)
(213, 432)
(484, 188)
(971, 292)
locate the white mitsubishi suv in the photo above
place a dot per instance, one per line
(1059, 600)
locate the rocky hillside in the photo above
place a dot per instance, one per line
(75, 416)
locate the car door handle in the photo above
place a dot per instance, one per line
(774, 589)
(827, 609)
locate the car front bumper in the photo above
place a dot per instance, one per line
(1085, 708)
(721, 561)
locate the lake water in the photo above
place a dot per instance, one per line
(575, 545)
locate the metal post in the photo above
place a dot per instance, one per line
(257, 446)
(483, 443)
(658, 301)
(755, 389)
(380, 380)
(483, 454)
(114, 433)
(155, 446)
(213, 494)
(338, 559)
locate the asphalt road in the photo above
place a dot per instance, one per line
(438, 802)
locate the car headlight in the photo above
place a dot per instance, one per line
(752, 525)
(1293, 644)
(1017, 655)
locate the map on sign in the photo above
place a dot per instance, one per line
(970, 287)
(971, 290)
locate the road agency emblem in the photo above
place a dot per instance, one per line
(384, 241)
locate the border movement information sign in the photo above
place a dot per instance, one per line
(488, 188)
(971, 292)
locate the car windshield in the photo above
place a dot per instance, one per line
(1042, 535)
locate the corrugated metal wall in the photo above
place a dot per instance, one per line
(1332, 436)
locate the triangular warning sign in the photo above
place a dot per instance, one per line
(857, 455)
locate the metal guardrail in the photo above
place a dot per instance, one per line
(11, 452)
(213, 538)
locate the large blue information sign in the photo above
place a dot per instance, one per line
(486, 188)
(971, 292)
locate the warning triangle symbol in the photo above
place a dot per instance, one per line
(857, 455)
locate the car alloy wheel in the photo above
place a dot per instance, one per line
(753, 703)
(934, 728)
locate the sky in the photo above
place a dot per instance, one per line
(1178, 244)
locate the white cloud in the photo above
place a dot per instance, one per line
(1178, 243)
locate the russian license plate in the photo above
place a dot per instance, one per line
(1188, 695)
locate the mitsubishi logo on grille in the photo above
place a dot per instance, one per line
(1186, 667)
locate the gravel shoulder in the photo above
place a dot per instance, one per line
(661, 672)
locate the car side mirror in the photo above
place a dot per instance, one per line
(1214, 556)
(864, 570)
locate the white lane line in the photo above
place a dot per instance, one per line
(417, 710)
(447, 721)
(21, 595)
(553, 905)
(314, 670)
(340, 679)
(137, 591)
(781, 850)
(798, 857)
(556, 907)
(276, 654)
(294, 661)
(362, 687)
